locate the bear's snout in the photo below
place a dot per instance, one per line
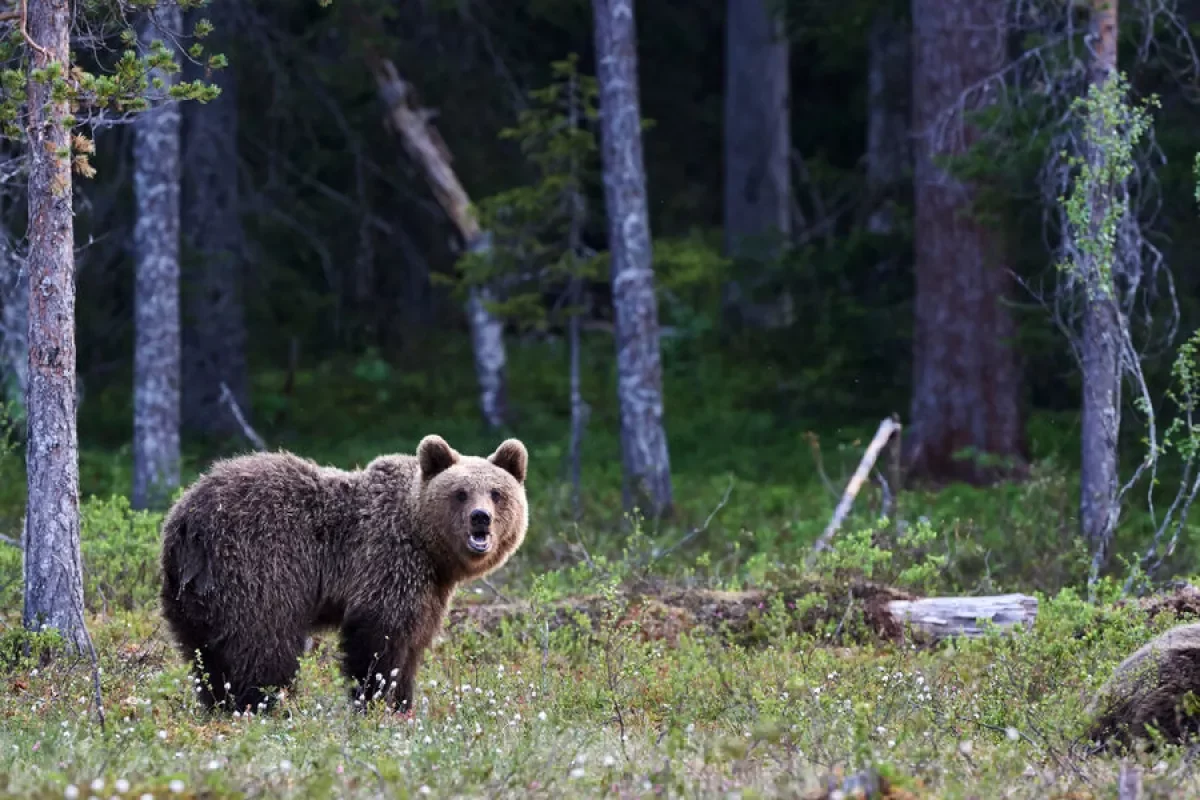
(480, 519)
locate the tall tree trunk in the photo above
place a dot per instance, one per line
(966, 382)
(757, 151)
(1101, 335)
(156, 357)
(214, 332)
(889, 89)
(53, 566)
(639, 365)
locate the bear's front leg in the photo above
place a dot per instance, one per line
(379, 663)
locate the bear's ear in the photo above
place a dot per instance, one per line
(435, 456)
(511, 457)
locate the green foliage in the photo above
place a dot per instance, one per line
(537, 229)
(1098, 201)
(120, 550)
(597, 709)
(118, 81)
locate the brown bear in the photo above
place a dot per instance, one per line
(265, 548)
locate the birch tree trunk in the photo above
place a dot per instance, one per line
(757, 150)
(53, 566)
(966, 382)
(1101, 334)
(639, 367)
(214, 331)
(156, 358)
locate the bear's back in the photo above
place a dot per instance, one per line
(267, 496)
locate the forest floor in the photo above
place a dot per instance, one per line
(792, 698)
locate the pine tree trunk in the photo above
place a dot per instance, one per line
(639, 367)
(156, 359)
(53, 566)
(966, 382)
(214, 332)
(757, 151)
(1101, 335)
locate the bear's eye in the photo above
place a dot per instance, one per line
(496, 495)
(461, 495)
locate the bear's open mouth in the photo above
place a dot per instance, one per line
(479, 541)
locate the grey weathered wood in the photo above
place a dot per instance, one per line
(1102, 334)
(53, 566)
(157, 355)
(944, 617)
(644, 451)
(429, 152)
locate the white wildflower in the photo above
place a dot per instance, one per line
(121, 785)
(1012, 734)
(175, 786)
(71, 792)
(577, 772)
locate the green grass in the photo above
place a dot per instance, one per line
(587, 713)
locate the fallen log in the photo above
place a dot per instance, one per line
(942, 617)
(665, 613)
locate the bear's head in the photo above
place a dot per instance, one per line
(474, 509)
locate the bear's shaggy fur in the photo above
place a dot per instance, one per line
(267, 547)
(1148, 689)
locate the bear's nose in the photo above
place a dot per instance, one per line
(480, 518)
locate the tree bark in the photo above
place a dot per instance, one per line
(639, 367)
(53, 566)
(1100, 348)
(427, 149)
(889, 89)
(757, 151)
(966, 381)
(214, 331)
(156, 358)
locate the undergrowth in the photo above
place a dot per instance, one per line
(603, 709)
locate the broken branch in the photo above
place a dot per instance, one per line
(887, 428)
(228, 399)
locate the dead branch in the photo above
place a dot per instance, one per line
(426, 147)
(228, 399)
(887, 428)
(8, 540)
